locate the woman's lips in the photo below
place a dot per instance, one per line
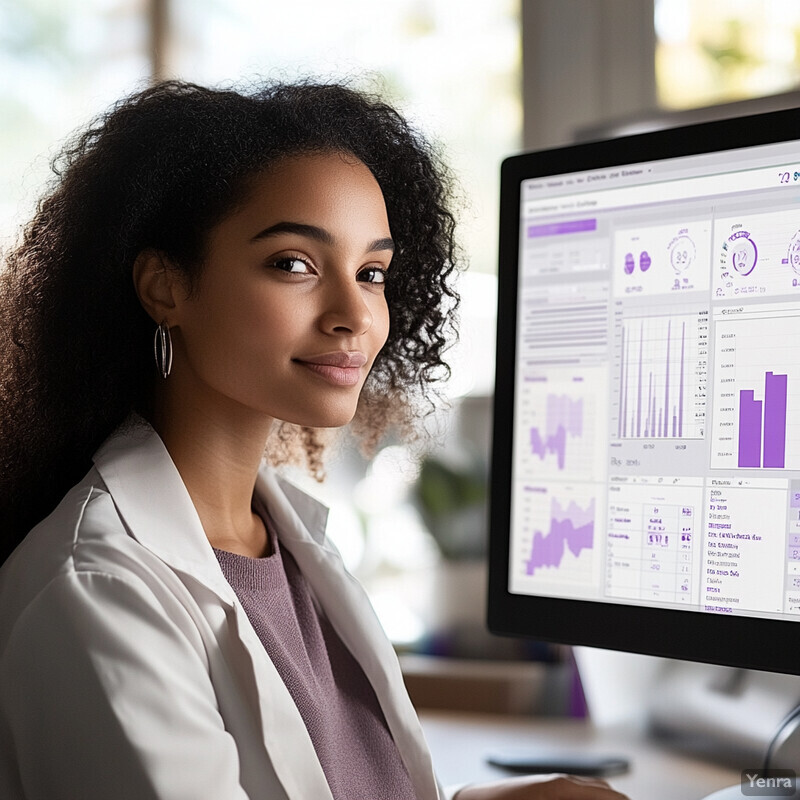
(340, 368)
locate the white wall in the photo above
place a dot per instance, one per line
(583, 62)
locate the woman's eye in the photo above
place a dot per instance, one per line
(292, 264)
(372, 275)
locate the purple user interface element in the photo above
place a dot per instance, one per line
(644, 262)
(571, 528)
(564, 416)
(742, 253)
(558, 228)
(794, 253)
(767, 417)
(630, 263)
(681, 253)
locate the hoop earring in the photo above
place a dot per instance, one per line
(162, 348)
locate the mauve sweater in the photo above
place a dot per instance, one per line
(332, 694)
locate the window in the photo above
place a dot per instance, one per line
(718, 51)
(61, 63)
(455, 75)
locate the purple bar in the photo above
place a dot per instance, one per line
(674, 423)
(627, 370)
(660, 415)
(653, 432)
(749, 429)
(626, 358)
(621, 384)
(775, 420)
(648, 428)
(680, 390)
(639, 396)
(556, 228)
(666, 386)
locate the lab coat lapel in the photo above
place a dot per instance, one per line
(153, 502)
(155, 506)
(346, 605)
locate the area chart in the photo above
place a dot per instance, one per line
(571, 529)
(556, 528)
(557, 434)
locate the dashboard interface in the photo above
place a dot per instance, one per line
(656, 449)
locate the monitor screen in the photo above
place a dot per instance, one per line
(646, 460)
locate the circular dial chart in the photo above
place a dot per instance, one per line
(682, 253)
(758, 255)
(741, 253)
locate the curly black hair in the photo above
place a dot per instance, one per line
(159, 170)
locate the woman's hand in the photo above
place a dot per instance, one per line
(541, 787)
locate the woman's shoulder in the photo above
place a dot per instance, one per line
(84, 534)
(84, 515)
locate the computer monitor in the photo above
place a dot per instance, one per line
(645, 491)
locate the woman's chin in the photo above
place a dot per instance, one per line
(329, 419)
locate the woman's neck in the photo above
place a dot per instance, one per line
(217, 450)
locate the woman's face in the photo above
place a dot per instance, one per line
(289, 312)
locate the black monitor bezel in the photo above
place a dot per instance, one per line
(746, 642)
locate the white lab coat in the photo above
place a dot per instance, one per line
(128, 668)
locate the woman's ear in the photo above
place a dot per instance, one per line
(157, 285)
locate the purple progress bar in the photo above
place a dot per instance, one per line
(556, 228)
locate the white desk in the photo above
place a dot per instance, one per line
(459, 743)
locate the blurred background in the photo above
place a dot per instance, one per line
(485, 80)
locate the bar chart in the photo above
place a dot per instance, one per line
(757, 387)
(762, 425)
(661, 377)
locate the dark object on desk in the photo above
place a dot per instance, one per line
(545, 761)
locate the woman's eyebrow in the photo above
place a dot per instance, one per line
(299, 228)
(381, 244)
(317, 233)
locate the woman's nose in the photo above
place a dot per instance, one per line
(346, 309)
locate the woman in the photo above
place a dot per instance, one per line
(177, 626)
